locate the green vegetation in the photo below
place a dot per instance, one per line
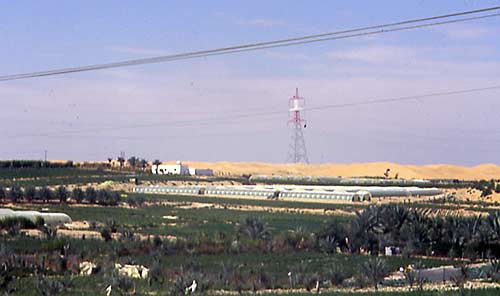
(240, 245)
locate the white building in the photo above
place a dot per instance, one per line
(170, 169)
(201, 172)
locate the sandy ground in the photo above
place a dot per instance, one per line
(484, 171)
(199, 205)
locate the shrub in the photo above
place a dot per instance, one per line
(48, 287)
(106, 234)
(253, 228)
(21, 222)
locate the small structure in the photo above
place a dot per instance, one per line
(201, 172)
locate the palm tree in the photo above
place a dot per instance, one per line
(393, 217)
(253, 228)
(143, 163)
(375, 270)
(133, 161)
(417, 232)
(333, 236)
(365, 230)
(121, 160)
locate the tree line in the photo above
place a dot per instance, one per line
(14, 164)
(61, 194)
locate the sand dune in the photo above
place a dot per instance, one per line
(484, 171)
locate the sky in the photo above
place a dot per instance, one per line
(190, 109)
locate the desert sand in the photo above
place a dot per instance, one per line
(432, 171)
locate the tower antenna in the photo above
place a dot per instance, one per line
(297, 150)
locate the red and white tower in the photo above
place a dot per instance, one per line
(297, 150)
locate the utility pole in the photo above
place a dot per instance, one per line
(297, 148)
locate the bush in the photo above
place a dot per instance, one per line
(21, 222)
(106, 234)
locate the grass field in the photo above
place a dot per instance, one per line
(150, 220)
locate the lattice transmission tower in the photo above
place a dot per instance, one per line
(297, 152)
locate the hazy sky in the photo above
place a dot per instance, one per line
(170, 110)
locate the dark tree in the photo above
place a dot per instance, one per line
(133, 161)
(30, 193)
(143, 163)
(45, 194)
(102, 196)
(156, 163)
(121, 160)
(61, 194)
(90, 195)
(2, 193)
(78, 195)
(15, 194)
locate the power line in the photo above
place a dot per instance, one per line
(264, 114)
(404, 98)
(379, 29)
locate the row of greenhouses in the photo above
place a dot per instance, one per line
(296, 191)
(357, 181)
(256, 191)
(168, 189)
